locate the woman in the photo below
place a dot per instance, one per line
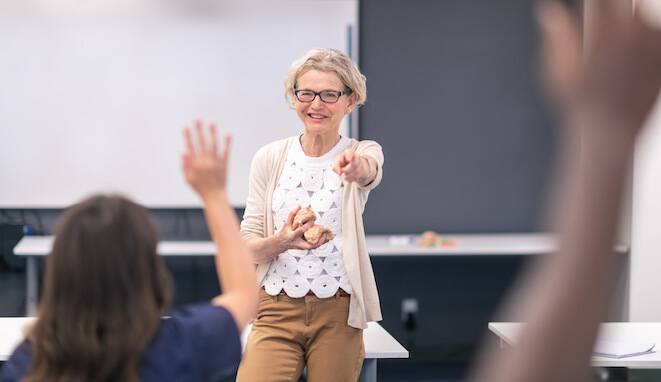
(106, 290)
(315, 298)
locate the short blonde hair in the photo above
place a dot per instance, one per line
(328, 60)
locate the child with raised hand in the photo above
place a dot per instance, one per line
(106, 289)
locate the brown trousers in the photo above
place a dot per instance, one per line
(290, 333)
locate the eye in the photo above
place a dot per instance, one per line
(329, 95)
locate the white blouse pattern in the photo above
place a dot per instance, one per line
(309, 182)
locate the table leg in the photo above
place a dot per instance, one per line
(368, 373)
(31, 286)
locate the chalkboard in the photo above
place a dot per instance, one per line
(455, 101)
(94, 96)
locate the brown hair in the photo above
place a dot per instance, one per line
(104, 292)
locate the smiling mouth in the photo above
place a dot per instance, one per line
(316, 116)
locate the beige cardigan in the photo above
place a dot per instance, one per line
(258, 222)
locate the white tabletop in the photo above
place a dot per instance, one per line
(377, 245)
(610, 331)
(378, 342)
(41, 246)
(464, 244)
(11, 334)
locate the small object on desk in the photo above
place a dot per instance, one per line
(613, 349)
(448, 243)
(400, 239)
(428, 239)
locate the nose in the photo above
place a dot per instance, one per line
(317, 102)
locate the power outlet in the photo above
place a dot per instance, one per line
(410, 312)
(409, 305)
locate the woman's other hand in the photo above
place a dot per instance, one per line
(290, 238)
(355, 167)
(204, 163)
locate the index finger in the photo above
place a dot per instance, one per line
(348, 155)
(227, 144)
(337, 165)
(200, 136)
(292, 213)
(190, 149)
(214, 138)
(322, 240)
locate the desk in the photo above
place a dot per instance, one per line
(378, 343)
(467, 245)
(611, 331)
(34, 247)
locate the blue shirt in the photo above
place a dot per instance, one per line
(197, 343)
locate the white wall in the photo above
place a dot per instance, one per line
(645, 268)
(94, 94)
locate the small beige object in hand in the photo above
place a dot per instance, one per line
(317, 232)
(428, 239)
(303, 216)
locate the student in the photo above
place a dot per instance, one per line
(603, 99)
(106, 290)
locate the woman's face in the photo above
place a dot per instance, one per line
(321, 117)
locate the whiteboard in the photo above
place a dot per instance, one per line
(94, 99)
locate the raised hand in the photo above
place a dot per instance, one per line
(354, 167)
(618, 78)
(205, 164)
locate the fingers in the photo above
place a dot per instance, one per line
(609, 15)
(190, 149)
(346, 163)
(301, 230)
(290, 217)
(348, 160)
(196, 143)
(308, 224)
(340, 162)
(214, 138)
(555, 19)
(337, 167)
(200, 136)
(562, 57)
(305, 245)
(185, 161)
(355, 169)
(353, 166)
(227, 145)
(322, 240)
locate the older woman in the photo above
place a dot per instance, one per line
(315, 298)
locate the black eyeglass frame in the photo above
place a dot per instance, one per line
(339, 93)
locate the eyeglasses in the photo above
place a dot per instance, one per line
(327, 96)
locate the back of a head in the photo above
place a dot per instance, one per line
(104, 292)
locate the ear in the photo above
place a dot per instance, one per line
(351, 105)
(292, 99)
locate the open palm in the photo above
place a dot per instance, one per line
(204, 163)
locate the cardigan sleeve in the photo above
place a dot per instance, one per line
(373, 150)
(252, 225)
